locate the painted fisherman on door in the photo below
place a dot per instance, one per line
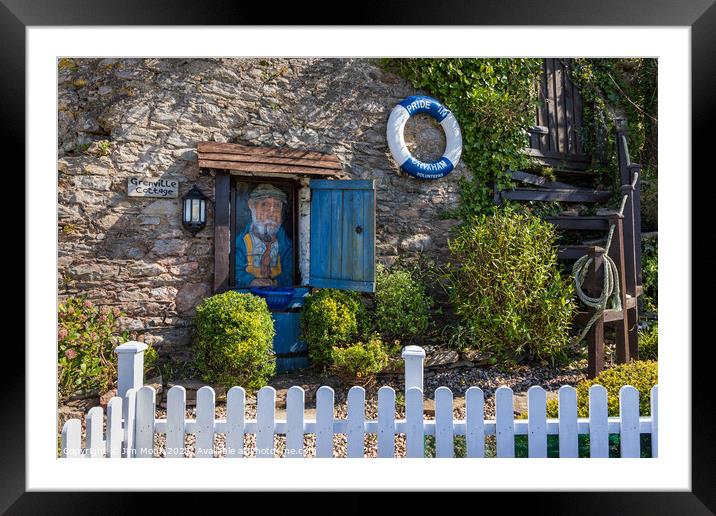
(264, 252)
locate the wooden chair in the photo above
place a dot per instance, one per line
(554, 142)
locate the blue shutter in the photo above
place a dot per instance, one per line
(342, 235)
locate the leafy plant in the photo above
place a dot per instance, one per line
(506, 287)
(650, 273)
(235, 340)
(401, 305)
(642, 375)
(360, 362)
(332, 318)
(649, 342)
(86, 338)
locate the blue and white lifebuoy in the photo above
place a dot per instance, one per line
(396, 142)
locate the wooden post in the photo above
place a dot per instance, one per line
(595, 336)
(130, 366)
(616, 253)
(222, 233)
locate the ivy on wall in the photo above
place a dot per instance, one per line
(494, 101)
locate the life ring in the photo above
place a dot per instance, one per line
(396, 142)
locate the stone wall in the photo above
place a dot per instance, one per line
(124, 117)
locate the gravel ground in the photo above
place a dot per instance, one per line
(458, 379)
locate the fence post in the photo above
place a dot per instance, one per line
(130, 366)
(414, 357)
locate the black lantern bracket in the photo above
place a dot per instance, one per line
(194, 204)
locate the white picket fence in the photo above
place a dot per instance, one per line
(131, 422)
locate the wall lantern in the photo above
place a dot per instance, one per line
(194, 212)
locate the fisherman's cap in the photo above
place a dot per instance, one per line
(266, 190)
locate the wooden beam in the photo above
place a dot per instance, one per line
(562, 195)
(280, 152)
(222, 235)
(245, 158)
(580, 223)
(267, 167)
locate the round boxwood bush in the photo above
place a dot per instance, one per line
(401, 305)
(235, 340)
(642, 375)
(505, 284)
(360, 362)
(331, 318)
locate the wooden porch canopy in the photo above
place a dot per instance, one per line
(268, 160)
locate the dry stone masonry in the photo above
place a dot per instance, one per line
(122, 118)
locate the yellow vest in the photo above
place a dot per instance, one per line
(256, 271)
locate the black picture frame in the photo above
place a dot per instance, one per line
(699, 15)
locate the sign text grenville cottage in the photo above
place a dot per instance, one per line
(152, 187)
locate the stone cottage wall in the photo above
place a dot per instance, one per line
(123, 117)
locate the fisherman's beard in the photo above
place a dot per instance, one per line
(266, 230)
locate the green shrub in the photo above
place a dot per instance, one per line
(642, 375)
(86, 361)
(331, 318)
(649, 342)
(506, 287)
(650, 273)
(235, 340)
(360, 362)
(401, 305)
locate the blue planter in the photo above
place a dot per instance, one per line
(277, 298)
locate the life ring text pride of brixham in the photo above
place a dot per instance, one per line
(151, 187)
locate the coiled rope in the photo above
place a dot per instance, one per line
(610, 288)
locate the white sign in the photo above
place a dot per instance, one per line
(152, 187)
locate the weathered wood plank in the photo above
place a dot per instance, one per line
(561, 195)
(551, 108)
(222, 234)
(569, 109)
(580, 223)
(244, 158)
(559, 104)
(268, 168)
(532, 179)
(235, 148)
(542, 110)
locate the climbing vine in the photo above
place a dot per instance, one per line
(494, 101)
(626, 87)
